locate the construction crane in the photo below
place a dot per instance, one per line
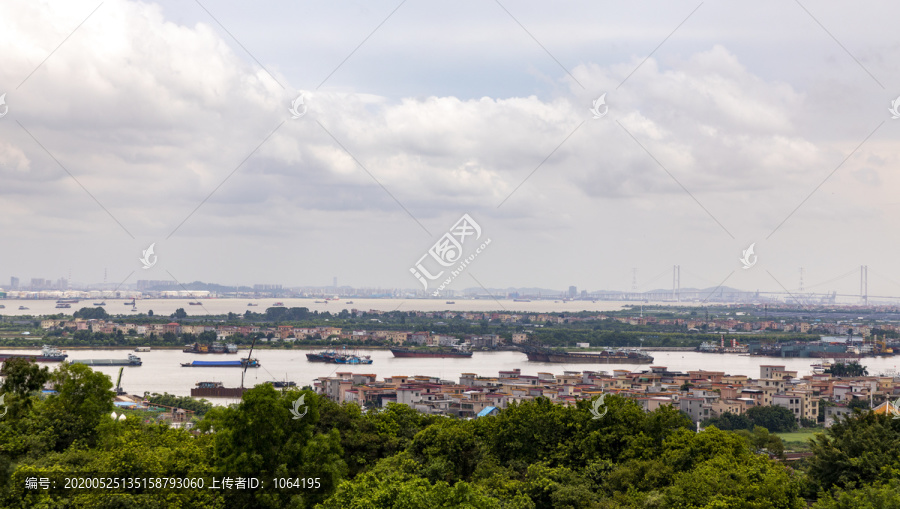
(247, 363)
(119, 390)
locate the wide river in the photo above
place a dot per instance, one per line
(224, 306)
(162, 370)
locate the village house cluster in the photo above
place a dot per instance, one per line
(286, 333)
(700, 394)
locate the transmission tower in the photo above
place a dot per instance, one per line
(864, 284)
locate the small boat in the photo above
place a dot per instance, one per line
(321, 302)
(250, 304)
(63, 306)
(2, 306)
(521, 300)
(279, 304)
(349, 302)
(132, 303)
(22, 308)
(100, 303)
(198, 303)
(450, 302)
(67, 301)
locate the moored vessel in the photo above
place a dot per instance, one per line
(215, 347)
(132, 360)
(243, 363)
(48, 354)
(216, 390)
(429, 352)
(537, 354)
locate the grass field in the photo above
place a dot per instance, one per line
(798, 440)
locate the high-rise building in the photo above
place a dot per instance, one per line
(264, 287)
(573, 291)
(13, 283)
(62, 284)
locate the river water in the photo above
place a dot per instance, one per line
(162, 371)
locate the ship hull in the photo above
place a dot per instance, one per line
(106, 362)
(218, 392)
(583, 358)
(432, 355)
(36, 358)
(219, 364)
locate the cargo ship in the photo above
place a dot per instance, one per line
(216, 390)
(213, 348)
(67, 301)
(440, 353)
(243, 363)
(536, 354)
(335, 357)
(48, 354)
(63, 306)
(132, 360)
(326, 356)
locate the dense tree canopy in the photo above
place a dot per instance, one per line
(533, 454)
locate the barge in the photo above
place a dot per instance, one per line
(132, 360)
(48, 354)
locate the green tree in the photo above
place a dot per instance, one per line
(22, 378)
(776, 419)
(862, 448)
(260, 435)
(179, 314)
(91, 313)
(83, 399)
(729, 421)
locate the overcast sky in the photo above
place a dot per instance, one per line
(723, 118)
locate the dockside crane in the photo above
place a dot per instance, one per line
(247, 362)
(119, 390)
